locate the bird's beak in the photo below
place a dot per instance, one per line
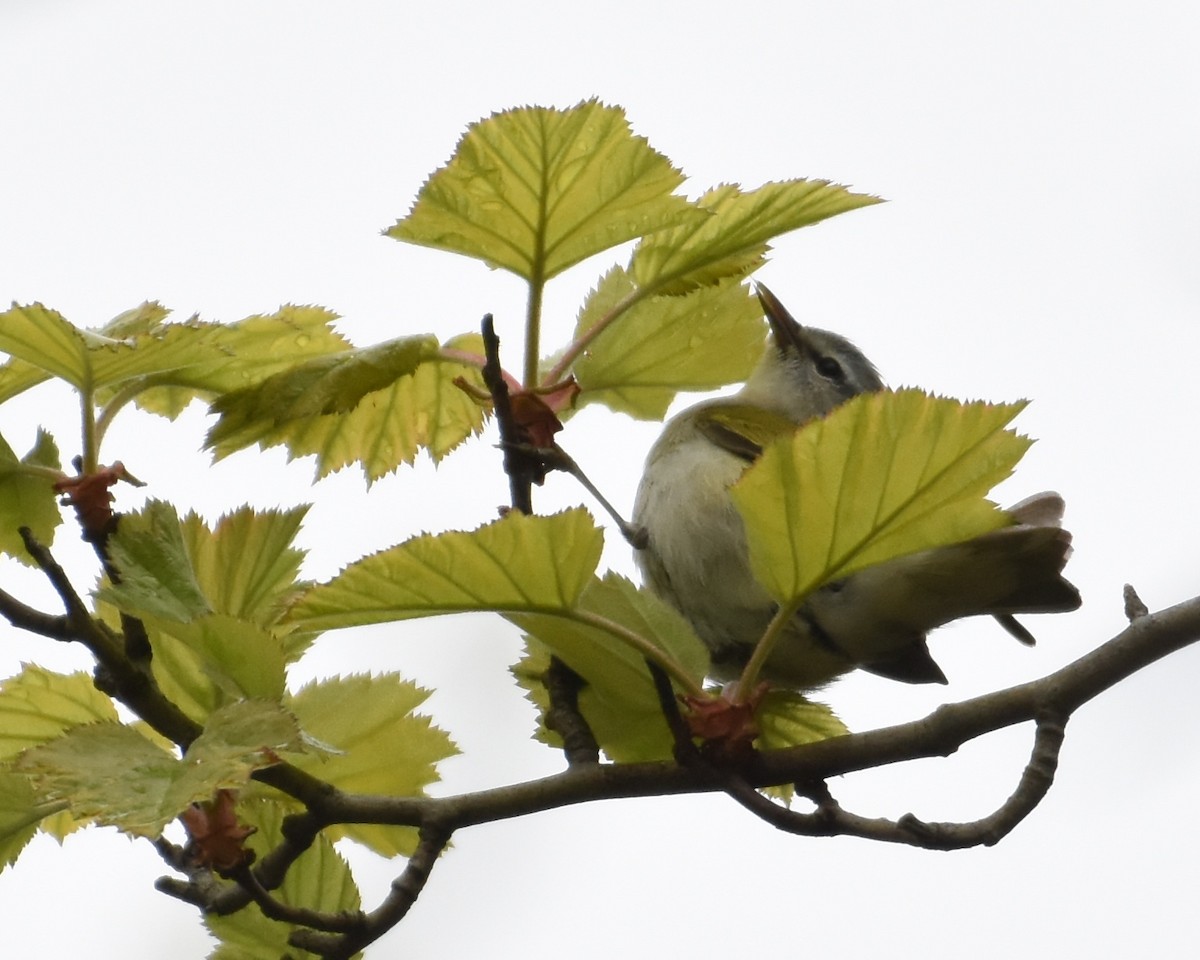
(789, 335)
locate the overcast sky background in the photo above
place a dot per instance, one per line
(1040, 241)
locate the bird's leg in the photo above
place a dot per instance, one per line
(555, 457)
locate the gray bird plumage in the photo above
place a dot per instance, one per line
(876, 619)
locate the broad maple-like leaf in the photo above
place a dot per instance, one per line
(350, 417)
(248, 568)
(662, 345)
(156, 573)
(38, 705)
(27, 495)
(110, 773)
(886, 474)
(204, 656)
(382, 746)
(92, 360)
(535, 190)
(788, 719)
(519, 563)
(242, 354)
(733, 240)
(21, 813)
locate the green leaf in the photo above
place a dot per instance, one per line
(20, 814)
(156, 577)
(884, 475)
(206, 653)
(135, 346)
(44, 339)
(661, 345)
(536, 190)
(110, 773)
(422, 410)
(237, 740)
(235, 659)
(384, 748)
(244, 353)
(247, 567)
(787, 719)
(27, 496)
(184, 675)
(212, 660)
(334, 383)
(162, 366)
(519, 563)
(106, 772)
(619, 700)
(17, 376)
(145, 318)
(318, 880)
(37, 706)
(733, 240)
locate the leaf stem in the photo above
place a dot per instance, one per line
(581, 343)
(90, 440)
(764, 648)
(22, 469)
(113, 407)
(639, 643)
(533, 328)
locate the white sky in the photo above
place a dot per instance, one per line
(1041, 241)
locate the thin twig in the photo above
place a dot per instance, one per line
(405, 890)
(78, 614)
(564, 717)
(24, 617)
(347, 922)
(556, 458)
(685, 750)
(518, 467)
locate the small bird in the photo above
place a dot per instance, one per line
(695, 554)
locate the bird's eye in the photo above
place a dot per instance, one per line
(830, 369)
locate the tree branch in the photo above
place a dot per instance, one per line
(1047, 702)
(521, 471)
(1057, 695)
(394, 908)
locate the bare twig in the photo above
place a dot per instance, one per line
(556, 458)
(831, 820)
(563, 686)
(78, 615)
(24, 617)
(520, 469)
(342, 922)
(405, 890)
(685, 750)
